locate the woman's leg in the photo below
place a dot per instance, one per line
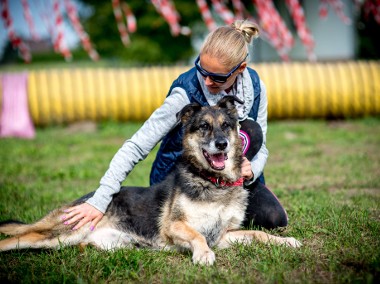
(264, 209)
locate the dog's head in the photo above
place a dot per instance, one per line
(211, 141)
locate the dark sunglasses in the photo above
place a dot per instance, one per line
(218, 78)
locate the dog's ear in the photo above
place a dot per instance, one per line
(228, 102)
(188, 112)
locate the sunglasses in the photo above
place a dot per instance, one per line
(216, 77)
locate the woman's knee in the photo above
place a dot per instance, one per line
(276, 219)
(268, 219)
(264, 209)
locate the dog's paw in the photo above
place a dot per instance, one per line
(204, 258)
(292, 242)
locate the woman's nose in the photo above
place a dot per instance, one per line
(208, 81)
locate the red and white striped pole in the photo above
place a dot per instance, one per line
(338, 6)
(303, 31)
(15, 40)
(184, 30)
(283, 32)
(167, 10)
(83, 36)
(206, 15)
(242, 13)
(120, 23)
(46, 10)
(323, 9)
(59, 40)
(278, 34)
(129, 17)
(223, 12)
(372, 7)
(238, 9)
(29, 19)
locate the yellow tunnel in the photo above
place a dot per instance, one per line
(295, 90)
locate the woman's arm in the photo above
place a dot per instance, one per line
(133, 150)
(138, 147)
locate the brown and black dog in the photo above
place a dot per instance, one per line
(201, 204)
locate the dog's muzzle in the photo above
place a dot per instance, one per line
(216, 161)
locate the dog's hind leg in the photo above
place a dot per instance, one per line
(50, 232)
(29, 240)
(50, 222)
(247, 237)
(45, 233)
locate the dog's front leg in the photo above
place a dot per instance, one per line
(184, 235)
(247, 237)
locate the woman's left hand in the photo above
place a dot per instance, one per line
(246, 170)
(83, 214)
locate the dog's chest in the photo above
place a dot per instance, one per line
(212, 219)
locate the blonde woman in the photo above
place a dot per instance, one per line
(220, 70)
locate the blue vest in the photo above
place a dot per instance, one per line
(171, 145)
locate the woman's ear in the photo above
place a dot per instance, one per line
(242, 67)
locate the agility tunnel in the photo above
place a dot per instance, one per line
(295, 90)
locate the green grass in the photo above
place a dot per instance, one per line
(326, 174)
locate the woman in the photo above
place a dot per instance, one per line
(220, 70)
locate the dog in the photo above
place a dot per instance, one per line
(201, 203)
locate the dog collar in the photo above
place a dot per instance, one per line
(221, 183)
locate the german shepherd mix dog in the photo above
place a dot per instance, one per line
(200, 205)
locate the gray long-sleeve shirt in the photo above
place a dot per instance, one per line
(162, 120)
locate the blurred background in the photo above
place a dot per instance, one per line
(78, 60)
(170, 32)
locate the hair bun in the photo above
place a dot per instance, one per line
(248, 29)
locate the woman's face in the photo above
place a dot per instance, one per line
(212, 65)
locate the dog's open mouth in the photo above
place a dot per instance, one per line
(216, 161)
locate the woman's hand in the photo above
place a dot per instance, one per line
(246, 169)
(84, 213)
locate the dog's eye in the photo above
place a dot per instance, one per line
(225, 126)
(204, 126)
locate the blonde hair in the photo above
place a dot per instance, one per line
(230, 43)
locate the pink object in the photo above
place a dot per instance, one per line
(15, 120)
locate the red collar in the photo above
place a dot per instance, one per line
(220, 183)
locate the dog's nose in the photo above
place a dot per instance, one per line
(221, 144)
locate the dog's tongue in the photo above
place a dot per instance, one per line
(217, 161)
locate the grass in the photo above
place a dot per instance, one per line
(326, 174)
